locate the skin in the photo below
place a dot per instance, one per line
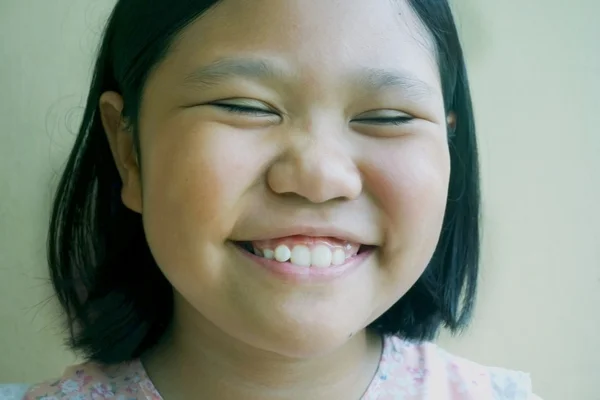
(317, 155)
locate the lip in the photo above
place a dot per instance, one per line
(288, 272)
(313, 231)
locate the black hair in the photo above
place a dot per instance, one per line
(117, 302)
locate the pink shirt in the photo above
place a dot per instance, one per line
(406, 371)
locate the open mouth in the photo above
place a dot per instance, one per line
(317, 254)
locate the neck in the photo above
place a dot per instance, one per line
(197, 360)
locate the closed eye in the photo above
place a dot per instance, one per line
(400, 120)
(244, 110)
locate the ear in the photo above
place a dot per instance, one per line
(122, 146)
(451, 122)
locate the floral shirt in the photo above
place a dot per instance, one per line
(407, 371)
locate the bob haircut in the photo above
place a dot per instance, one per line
(117, 302)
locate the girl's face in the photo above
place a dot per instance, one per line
(270, 119)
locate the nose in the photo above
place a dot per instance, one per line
(316, 167)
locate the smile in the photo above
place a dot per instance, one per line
(308, 257)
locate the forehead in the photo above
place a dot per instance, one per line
(322, 38)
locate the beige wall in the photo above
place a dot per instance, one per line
(535, 70)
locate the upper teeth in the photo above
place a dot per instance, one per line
(319, 256)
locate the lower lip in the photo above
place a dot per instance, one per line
(293, 273)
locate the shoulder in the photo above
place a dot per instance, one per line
(95, 381)
(438, 374)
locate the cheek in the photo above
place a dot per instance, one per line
(409, 180)
(194, 180)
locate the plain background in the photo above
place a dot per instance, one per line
(535, 72)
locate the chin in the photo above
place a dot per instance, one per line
(308, 341)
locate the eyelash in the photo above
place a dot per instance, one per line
(386, 121)
(237, 109)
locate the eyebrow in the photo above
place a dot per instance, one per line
(228, 68)
(375, 79)
(371, 79)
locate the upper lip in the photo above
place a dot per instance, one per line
(312, 231)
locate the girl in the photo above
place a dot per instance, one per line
(272, 200)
